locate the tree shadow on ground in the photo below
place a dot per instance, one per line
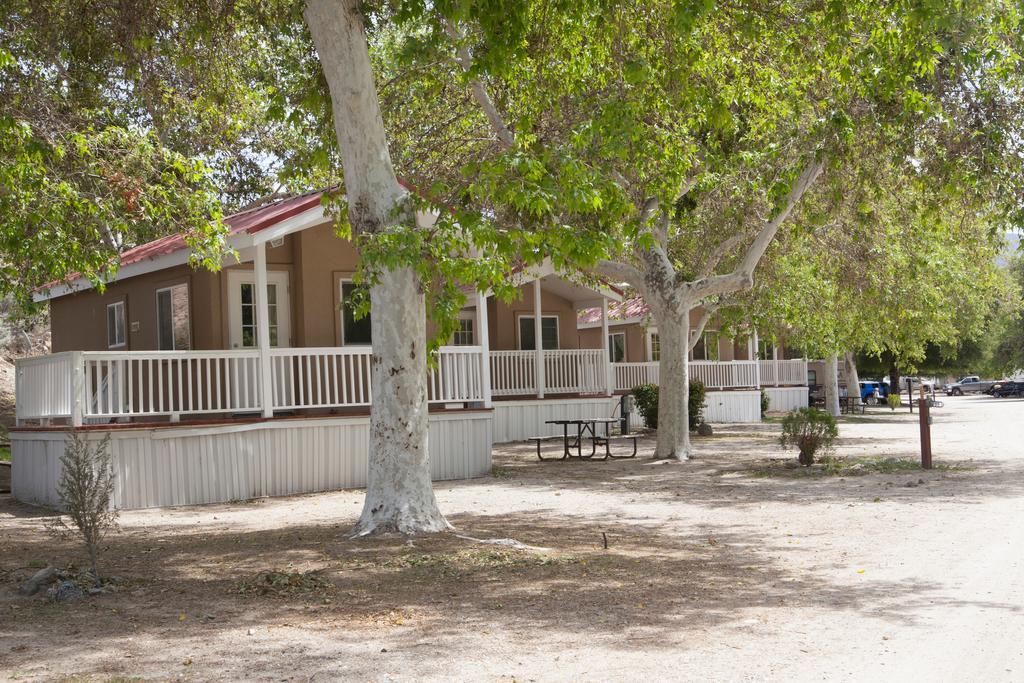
(654, 587)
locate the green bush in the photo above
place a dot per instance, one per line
(647, 403)
(765, 403)
(696, 403)
(893, 400)
(810, 430)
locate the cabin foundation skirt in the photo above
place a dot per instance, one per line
(190, 465)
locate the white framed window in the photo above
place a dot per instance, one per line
(353, 332)
(173, 327)
(116, 337)
(706, 347)
(464, 333)
(653, 347)
(765, 349)
(617, 346)
(548, 331)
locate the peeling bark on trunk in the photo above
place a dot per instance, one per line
(674, 387)
(399, 494)
(852, 379)
(832, 386)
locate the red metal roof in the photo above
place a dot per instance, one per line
(250, 222)
(635, 307)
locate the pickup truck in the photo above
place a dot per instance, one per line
(972, 384)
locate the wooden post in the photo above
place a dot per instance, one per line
(485, 347)
(538, 342)
(263, 331)
(609, 371)
(926, 431)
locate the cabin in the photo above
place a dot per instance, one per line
(254, 380)
(734, 370)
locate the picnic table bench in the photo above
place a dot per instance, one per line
(586, 428)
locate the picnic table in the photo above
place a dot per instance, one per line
(585, 428)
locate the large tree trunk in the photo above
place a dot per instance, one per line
(852, 378)
(832, 386)
(674, 386)
(399, 495)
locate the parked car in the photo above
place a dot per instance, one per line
(971, 384)
(1008, 388)
(873, 392)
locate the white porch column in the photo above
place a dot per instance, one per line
(485, 347)
(538, 342)
(609, 372)
(756, 356)
(263, 330)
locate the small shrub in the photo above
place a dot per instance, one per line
(647, 403)
(85, 488)
(646, 396)
(893, 400)
(810, 430)
(696, 411)
(765, 403)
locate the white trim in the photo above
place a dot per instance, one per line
(624, 350)
(635, 320)
(309, 218)
(124, 325)
(519, 331)
(237, 277)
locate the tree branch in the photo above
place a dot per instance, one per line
(743, 276)
(698, 330)
(480, 94)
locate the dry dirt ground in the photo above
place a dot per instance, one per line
(713, 571)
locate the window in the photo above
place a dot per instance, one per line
(812, 378)
(248, 303)
(463, 335)
(115, 325)
(617, 347)
(548, 331)
(353, 332)
(765, 349)
(172, 318)
(655, 347)
(706, 347)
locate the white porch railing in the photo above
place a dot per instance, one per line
(630, 375)
(783, 372)
(737, 374)
(82, 386)
(566, 371)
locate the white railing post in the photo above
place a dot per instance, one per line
(485, 347)
(76, 385)
(756, 357)
(607, 355)
(775, 360)
(266, 389)
(538, 341)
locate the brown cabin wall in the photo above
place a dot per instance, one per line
(78, 322)
(502, 319)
